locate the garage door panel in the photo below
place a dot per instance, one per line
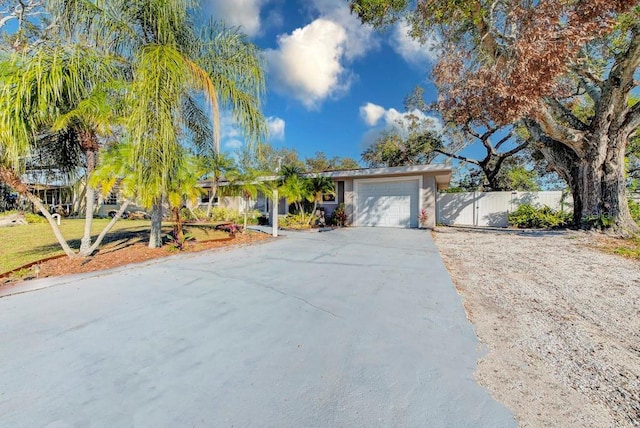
(388, 204)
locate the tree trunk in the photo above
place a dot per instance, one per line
(13, 180)
(155, 236)
(90, 195)
(601, 185)
(214, 190)
(78, 205)
(246, 208)
(596, 180)
(108, 227)
(178, 231)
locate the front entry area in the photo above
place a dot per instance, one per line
(387, 202)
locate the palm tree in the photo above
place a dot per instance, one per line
(295, 189)
(218, 165)
(54, 92)
(183, 188)
(217, 63)
(317, 187)
(247, 184)
(169, 62)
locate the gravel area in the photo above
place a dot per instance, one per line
(560, 321)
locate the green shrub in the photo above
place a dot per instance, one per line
(234, 216)
(339, 216)
(34, 218)
(224, 214)
(252, 216)
(188, 215)
(529, 217)
(295, 221)
(29, 217)
(601, 221)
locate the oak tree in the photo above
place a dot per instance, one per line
(541, 62)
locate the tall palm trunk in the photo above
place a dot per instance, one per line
(155, 236)
(90, 148)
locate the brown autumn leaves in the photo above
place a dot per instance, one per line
(518, 55)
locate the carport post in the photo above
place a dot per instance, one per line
(274, 221)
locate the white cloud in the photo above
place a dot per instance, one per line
(371, 113)
(360, 38)
(275, 125)
(233, 144)
(307, 64)
(244, 13)
(228, 127)
(410, 49)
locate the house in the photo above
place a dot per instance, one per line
(389, 197)
(376, 197)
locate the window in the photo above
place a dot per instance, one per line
(328, 198)
(112, 199)
(204, 199)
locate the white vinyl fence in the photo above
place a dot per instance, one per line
(493, 208)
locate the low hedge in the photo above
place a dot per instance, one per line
(528, 216)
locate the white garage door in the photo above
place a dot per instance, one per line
(387, 203)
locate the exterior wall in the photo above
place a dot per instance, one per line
(349, 202)
(428, 196)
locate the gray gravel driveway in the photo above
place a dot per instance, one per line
(350, 328)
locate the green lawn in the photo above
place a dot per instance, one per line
(21, 245)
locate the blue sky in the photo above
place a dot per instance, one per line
(332, 83)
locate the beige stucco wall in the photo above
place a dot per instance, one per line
(429, 191)
(349, 203)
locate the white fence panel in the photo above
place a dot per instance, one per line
(552, 199)
(455, 208)
(492, 208)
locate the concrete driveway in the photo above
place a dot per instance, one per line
(350, 328)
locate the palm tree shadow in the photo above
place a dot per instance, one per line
(114, 241)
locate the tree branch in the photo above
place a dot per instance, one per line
(515, 150)
(632, 120)
(504, 140)
(566, 115)
(572, 138)
(459, 157)
(620, 81)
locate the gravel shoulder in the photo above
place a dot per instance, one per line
(560, 321)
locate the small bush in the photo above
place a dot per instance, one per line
(225, 214)
(339, 216)
(200, 213)
(295, 221)
(253, 216)
(34, 218)
(176, 243)
(601, 221)
(29, 217)
(529, 217)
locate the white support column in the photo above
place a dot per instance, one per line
(274, 221)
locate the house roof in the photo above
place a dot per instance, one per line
(442, 173)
